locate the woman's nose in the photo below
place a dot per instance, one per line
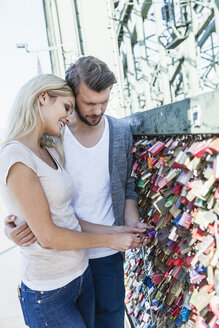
(68, 118)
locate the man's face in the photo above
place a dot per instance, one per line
(91, 105)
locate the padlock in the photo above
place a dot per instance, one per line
(179, 193)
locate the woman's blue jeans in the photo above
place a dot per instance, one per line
(71, 306)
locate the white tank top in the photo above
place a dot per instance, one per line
(89, 168)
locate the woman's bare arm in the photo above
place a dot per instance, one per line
(100, 228)
(28, 192)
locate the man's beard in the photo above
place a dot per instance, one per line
(83, 119)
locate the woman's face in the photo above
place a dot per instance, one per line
(56, 113)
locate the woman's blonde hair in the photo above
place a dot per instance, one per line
(25, 110)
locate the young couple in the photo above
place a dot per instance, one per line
(60, 213)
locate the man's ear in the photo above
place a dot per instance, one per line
(43, 98)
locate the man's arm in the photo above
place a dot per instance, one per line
(131, 213)
(132, 219)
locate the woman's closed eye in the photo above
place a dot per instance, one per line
(67, 108)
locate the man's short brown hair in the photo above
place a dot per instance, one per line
(91, 71)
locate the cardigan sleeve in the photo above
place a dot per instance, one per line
(130, 181)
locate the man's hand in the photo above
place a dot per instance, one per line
(144, 227)
(21, 234)
(131, 218)
(141, 225)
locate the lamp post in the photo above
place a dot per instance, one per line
(60, 66)
(26, 47)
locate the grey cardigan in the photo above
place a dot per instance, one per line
(120, 166)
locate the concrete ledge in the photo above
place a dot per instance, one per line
(195, 115)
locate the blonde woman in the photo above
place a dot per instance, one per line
(57, 287)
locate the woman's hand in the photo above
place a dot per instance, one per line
(124, 241)
(127, 229)
(143, 227)
(139, 228)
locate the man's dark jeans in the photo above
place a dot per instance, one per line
(108, 275)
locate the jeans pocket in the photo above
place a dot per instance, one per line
(46, 296)
(23, 307)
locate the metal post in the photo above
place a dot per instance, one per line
(145, 69)
(52, 19)
(216, 14)
(191, 65)
(162, 52)
(131, 73)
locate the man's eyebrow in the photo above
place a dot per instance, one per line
(92, 103)
(89, 103)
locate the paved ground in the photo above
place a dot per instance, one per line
(10, 312)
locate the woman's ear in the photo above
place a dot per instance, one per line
(43, 98)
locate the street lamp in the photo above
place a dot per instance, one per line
(61, 57)
(22, 46)
(26, 47)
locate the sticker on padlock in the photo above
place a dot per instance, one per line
(147, 305)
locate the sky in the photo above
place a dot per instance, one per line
(21, 21)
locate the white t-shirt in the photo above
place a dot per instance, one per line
(44, 269)
(89, 169)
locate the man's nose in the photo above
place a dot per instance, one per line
(97, 109)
